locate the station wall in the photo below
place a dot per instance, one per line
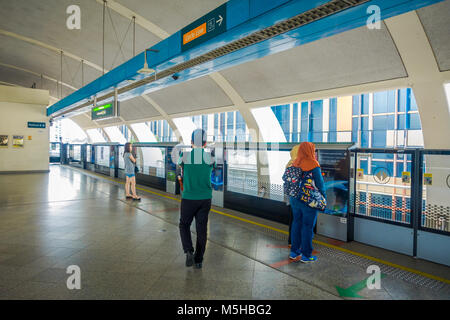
(18, 106)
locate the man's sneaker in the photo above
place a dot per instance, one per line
(310, 259)
(295, 257)
(189, 259)
(198, 265)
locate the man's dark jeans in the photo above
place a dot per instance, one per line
(198, 209)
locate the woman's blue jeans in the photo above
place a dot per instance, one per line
(302, 227)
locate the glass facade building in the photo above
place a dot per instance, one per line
(162, 131)
(371, 120)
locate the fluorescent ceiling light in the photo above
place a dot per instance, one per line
(146, 69)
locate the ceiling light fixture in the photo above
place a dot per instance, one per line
(146, 69)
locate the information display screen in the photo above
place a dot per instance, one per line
(103, 112)
(334, 165)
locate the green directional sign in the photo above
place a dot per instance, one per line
(102, 112)
(205, 28)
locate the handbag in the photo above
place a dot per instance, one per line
(136, 169)
(309, 193)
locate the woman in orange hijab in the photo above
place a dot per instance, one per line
(304, 216)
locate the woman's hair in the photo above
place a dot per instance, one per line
(293, 153)
(128, 147)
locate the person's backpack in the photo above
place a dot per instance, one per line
(291, 179)
(309, 193)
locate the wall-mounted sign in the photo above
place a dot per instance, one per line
(17, 141)
(428, 179)
(406, 177)
(4, 141)
(171, 176)
(103, 112)
(381, 175)
(360, 174)
(205, 28)
(38, 125)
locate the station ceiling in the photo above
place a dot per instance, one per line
(33, 34)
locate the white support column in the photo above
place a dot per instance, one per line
(239, 104)
(106, 135)
(425, 78)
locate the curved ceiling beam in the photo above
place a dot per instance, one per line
(445, 76)
(240, 104)
(50, 47)
(129, 14)
(85, 129)
(10, 84)
(425, 77)
(38, 75)
(164, 115)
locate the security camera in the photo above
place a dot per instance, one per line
(175, 77)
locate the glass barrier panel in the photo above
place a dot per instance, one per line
(121, 160)
(76, 153)
(242, 171)
(150, 160)
(55, 150)
(383, 186)
(273, 165)
(436, 192)
(88, 154)
(102, 155)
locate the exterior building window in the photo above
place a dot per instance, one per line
(162, 131)
(382, 120)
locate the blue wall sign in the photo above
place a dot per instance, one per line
(38, 125)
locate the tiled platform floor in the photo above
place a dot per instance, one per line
(132, 250)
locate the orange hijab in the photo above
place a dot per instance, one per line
(306, 158)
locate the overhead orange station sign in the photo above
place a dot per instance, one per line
(194, 34)
(205, 28)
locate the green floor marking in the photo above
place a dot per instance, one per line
(352, 291)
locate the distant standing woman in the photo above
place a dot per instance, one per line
(130, 165)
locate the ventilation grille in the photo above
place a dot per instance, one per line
(302, 19)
